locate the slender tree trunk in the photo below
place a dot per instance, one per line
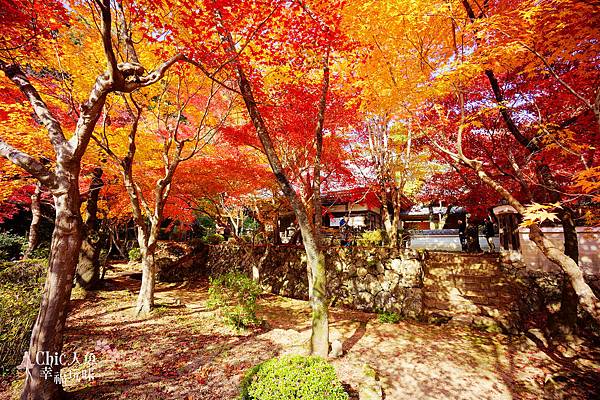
(315, 258)
(147, 240)
(34, 228)
(114, 238)
(47, 334)
(395, 225)
(386, 217)
(319, 339)
(566, 321)
(145, 300)
(88, 268)
(276, 237)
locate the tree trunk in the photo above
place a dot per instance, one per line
(566, 319)
(568, 311)
(47, 334)
(145, 300)
(36, 213)
(587, 299)
(395, 225)
(88, 268)
(276, 237)
(319, 339)
(315, 258)
(115, 240)
(386, 217)
(147, 243)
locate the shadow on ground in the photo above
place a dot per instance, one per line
(183, 351)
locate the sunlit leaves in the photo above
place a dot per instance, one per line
(540, 213)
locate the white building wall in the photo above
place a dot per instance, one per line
(589, 247)
(445, 242)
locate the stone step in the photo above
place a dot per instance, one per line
(476, 287)
(466, 297)
(442, 255)
(472, 290)
(461, 275)
(460, 261)
(462, 266)
(470, 308)
(457, 307)
(496, 300)
(495, 280)
(477, 283)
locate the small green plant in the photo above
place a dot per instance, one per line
(234, 295)
(11, 246)
(40, 253)
(292, 377)
(371, 238)
(135, 254)
(388, 317)
(213, 238)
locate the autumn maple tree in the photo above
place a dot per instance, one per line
(526, 79)
(253, 46)
(37, 28)
(494, 99)
(535, 156)
(176, 121)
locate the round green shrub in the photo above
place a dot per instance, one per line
(135, 254)
(293, 377)
(214, 238)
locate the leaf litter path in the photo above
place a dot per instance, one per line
(183, 351)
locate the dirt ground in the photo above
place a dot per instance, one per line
(184, 351)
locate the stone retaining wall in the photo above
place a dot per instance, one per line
(481, 289)
(465, 287)
(364, 279)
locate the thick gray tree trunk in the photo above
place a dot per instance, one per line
(566, 318)
(587, 299)
(63, 182)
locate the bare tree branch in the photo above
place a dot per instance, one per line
(43, 113)
(29, 164)
(111, 60)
